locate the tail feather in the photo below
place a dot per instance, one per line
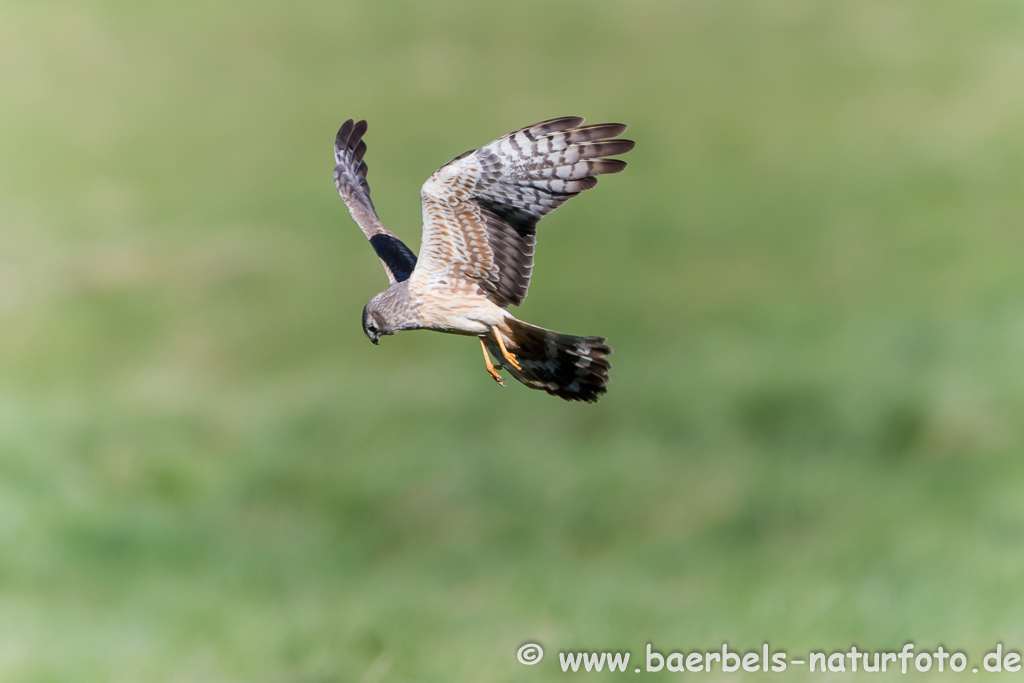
(569, 367)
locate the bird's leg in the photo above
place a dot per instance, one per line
(492, 370)
(508, 356)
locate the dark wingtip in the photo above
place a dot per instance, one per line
(555, 125)
(611, 166)
(359, 130)
(611, 130)
(341, 139)
(349, 135)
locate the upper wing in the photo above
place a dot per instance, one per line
(480, 210)
(350, 179)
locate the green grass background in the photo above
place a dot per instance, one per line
(811, 274)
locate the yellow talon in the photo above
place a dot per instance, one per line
(492, 369)
(508, 356)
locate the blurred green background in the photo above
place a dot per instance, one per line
(810, 274)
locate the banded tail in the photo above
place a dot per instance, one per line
(569, 367)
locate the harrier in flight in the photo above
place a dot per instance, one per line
(480, 214)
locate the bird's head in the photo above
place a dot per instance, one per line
(374, 322)
(388, 312)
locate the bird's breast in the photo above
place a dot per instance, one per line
(456, 307)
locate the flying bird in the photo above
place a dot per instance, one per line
(480, 213)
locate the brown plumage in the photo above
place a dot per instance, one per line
(480, 214)
(569, 367)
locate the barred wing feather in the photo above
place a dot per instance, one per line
(480, 210)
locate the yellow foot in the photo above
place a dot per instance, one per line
(492, 369)
(508, 356)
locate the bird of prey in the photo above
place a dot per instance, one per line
(480, 213)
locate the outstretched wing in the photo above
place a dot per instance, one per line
(350, 179)
(480, 210)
